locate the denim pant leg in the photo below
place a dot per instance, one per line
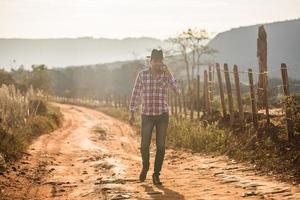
(161, 131)
(146, 133)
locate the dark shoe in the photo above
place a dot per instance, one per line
(155, 179)
(143, 175)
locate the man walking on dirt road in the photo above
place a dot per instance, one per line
(152, 85)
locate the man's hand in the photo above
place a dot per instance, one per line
(166, 71)
(131, 120)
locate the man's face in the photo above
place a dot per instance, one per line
(156, 63)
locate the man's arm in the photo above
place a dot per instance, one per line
(136, 92)
(174, 84)
(172, 81)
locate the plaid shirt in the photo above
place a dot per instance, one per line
(153, 91)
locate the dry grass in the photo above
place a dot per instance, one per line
(22, 118)
(276, 157)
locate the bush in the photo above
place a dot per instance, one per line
(192, 135)
(39, 106)
(54, 115)
(11, 144)
(22, 118)
(39, 125)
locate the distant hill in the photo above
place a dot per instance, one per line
(238, 46)
(80, 51)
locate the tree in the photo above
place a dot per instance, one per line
(6, 78)
(39, 78)
(192, 43)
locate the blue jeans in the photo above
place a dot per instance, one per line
(161, 124)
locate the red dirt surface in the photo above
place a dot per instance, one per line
(95, 156)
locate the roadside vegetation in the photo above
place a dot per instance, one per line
(25, 114)
(276, 157)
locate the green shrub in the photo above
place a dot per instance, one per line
(39, 106)
(192, 135)
(15, 141)
(11, 144)
(39, 125)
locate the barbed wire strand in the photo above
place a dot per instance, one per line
(259, 73)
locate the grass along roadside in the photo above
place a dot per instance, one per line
(23, 117)
(268, 157)
(278, 158)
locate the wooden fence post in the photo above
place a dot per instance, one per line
(115, 101)
(192, 100)
(221, 89)
(169, 96)
(198, 96)
(229, 93)
(125, 101)
(266, 96)
(111, 100)
(180, 104)
(206, 94)
(176, 104)
(210, 83)
(183, 99)
(253, 100)
(172, 103)
(128, 102)
(288, 111)
(238, 93)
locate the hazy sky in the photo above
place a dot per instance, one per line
(135, 18)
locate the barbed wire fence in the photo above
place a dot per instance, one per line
(225, 86)
(230, 94)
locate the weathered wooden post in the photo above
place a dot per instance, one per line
(169, 102)
(220, 82)
(288, 109)
(204, 109)
(266, 97)
(210, 83)
(229, 93)
(115, 101)
(180, 104)
(253, 100)
(198, 96)
(183, 99)
(207, 96)
(192, 99)
(128, 101)
(262, 56)
(172, 103)
(176, 105)
(125, 102)
(238, 93)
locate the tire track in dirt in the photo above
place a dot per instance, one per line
(94, 156)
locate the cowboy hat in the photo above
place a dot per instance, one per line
(156, 54)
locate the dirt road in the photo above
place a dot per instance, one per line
(94, 156)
